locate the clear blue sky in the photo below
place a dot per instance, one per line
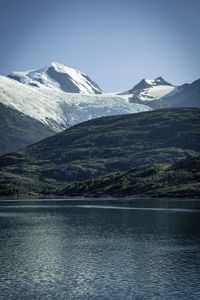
(115, 42)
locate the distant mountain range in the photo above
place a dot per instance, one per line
(57, 97)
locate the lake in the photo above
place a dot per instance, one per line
(134, 249)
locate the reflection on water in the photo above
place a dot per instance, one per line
(66, 250)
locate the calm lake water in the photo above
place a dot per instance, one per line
(100, 249)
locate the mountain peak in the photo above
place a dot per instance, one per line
(62, 68)
(55, 63)
(147, 83)
(150, 89)
(160, 81)
(160, 78)
(154, 82)
(58, 76)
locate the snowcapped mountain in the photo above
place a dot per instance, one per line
(58, 77)
(148, 90)
(158, 93)
(58, 109)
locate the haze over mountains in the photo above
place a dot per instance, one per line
(57, 97)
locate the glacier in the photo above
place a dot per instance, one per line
(59, 109)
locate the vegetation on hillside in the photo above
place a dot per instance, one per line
(181, 179)
(113, 153)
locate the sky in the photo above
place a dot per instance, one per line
(115, 42)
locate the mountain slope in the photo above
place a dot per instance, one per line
(18, 130)
(32, 103)
(187, 95)
(102, 146)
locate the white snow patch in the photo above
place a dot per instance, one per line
(150, 81)
(155, 92)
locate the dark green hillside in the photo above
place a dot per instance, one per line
(18, 130)
(102, 146)
(179, 180)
